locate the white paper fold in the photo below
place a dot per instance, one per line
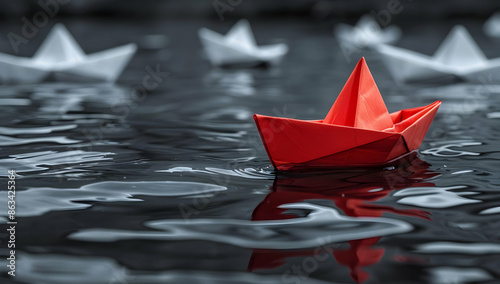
(458, 57)
(61, 58)
(492, 26)
(238, 47)
(366, 33)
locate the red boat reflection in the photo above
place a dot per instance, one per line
(353, 192)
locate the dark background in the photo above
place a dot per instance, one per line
(205, 8)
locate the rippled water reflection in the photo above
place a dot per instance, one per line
(175, 187)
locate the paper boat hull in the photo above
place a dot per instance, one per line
(103, 66)
(296, 144)
(380, 153)
(458, 58)
(410, 67)
(223, 54)
(22, 72)
(487, 75)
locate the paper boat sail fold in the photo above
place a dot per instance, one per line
(59, 48)
(458, 57)
(238, 47)
(360, 104)
(358, 130)
(241, 35)
(459, 50)
(60, 56)
(492, 26)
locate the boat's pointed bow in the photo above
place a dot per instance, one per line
(414, 135)
(262, 120)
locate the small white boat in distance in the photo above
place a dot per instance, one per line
(458, 57)
(366, 33)
(60, 58)
(492, 26)
(238, 47)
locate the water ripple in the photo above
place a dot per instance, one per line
(37, 201)
(48, 268)
(248, 173)
(445, 151)
(15, 102)
(35, 130)
(493, 210)
(435, 197)
(321, 226)
(465, 248)
(457, 275)
(493, 115)
(37, 161)
(11, 141)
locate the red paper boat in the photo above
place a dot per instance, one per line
(358, 130)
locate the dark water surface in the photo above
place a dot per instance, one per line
(174, 186)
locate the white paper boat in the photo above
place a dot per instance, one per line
(366, 33)
(458, 57)
(238, 47)
(492, 26)
(61, 58)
